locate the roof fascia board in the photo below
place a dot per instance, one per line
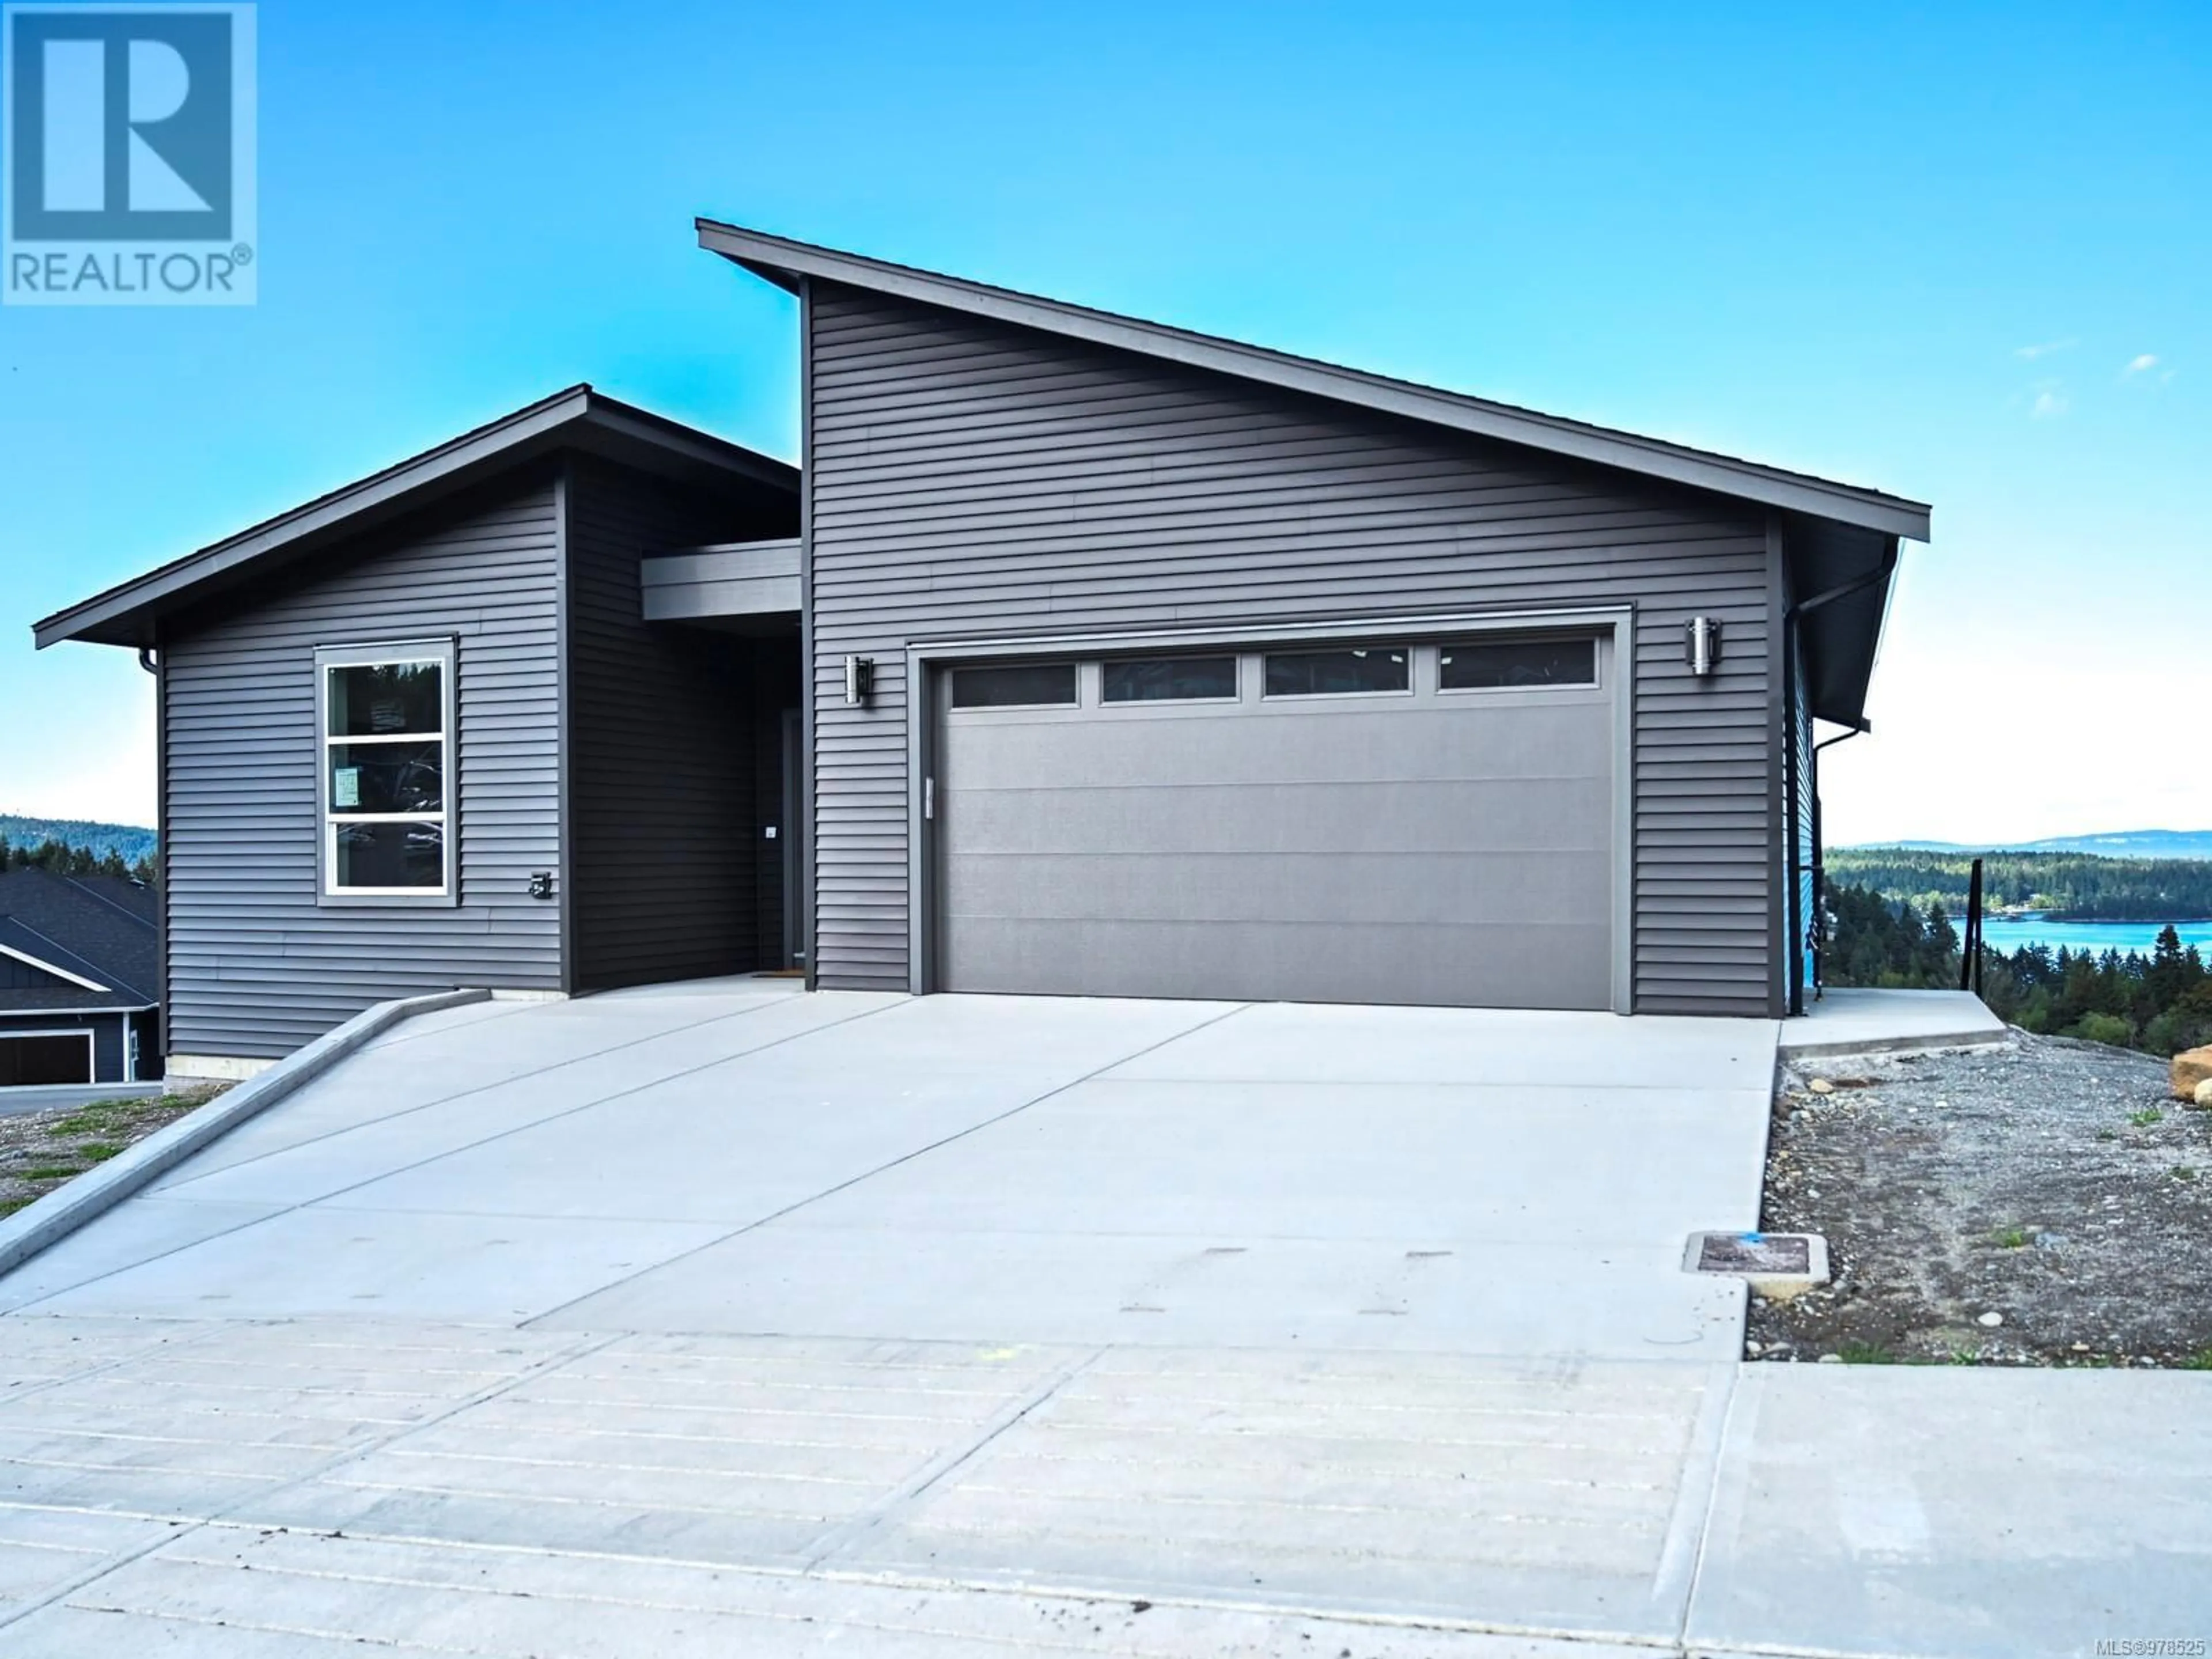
(450, 463)
(438, 465)
(699, 447)
(768, 256)
(68, 1012)
(57, 971)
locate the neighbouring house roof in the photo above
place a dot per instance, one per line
(578, 418)
(94, 936)
(1836, 533)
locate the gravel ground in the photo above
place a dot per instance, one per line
(40, 1151)
(2041, 1202)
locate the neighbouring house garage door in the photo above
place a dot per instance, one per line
(1398, 821)
(49, 1057)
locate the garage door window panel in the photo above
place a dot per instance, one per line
(1348, 672)
(1015, 685)
(1557, 663)
(1170, 679)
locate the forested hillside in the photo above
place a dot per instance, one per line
(2160, 1002)
(127, 842)
(2070, 886)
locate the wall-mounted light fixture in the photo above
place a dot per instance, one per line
(859, 680)
(1701, 644)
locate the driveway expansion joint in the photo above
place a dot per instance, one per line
(915, 1492)
(761, 1222)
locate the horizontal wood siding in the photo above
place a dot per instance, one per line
(256, 966)
(971, 477)
(662, 739)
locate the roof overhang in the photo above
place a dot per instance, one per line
(577, 419)
(785, 262)
(1840, 580)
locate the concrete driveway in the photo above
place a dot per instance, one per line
(743, 1157)
(723, 1319)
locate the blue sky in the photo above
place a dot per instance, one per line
(1957, 252)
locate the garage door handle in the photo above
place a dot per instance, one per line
(929, 798)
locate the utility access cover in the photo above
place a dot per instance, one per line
(1756, 1254)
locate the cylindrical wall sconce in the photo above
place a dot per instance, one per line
(1701, 644)
(859, 680)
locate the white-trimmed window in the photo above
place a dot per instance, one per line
(385, 717)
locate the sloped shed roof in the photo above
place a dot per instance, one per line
(1839, 534)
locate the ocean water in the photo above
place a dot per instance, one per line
(2008, 935)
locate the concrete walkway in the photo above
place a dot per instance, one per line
(725, 1320)
(1855, 1021)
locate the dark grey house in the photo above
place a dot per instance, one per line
(79, 968)
(1081, 655)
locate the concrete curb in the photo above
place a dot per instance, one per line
(67, 1207)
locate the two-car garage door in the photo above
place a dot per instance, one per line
(1395, 820)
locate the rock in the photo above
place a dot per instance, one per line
(1832, 1359)
(2203, 1095)
(1821, 1086)
(1992, 1319)
(2191, 1067)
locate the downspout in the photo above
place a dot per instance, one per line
(809, 956)
(152, 664)
(1821, 854)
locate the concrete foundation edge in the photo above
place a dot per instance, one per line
(62, 1211)
(215, 1068)
(1984, 1038)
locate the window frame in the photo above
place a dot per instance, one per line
(1595, 683)
(444, 652)
(1406, 648)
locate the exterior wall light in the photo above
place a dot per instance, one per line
(859, 680)
(1701, 644)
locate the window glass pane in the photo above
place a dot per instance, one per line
(1491, 664)
(1015, 685)
(1336, 674)
(389, 855)
(1153, 679)
(384, 699)
(387, 777)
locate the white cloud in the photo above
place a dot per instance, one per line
(2141, 365)
(2032, 352)
(2050, 401)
